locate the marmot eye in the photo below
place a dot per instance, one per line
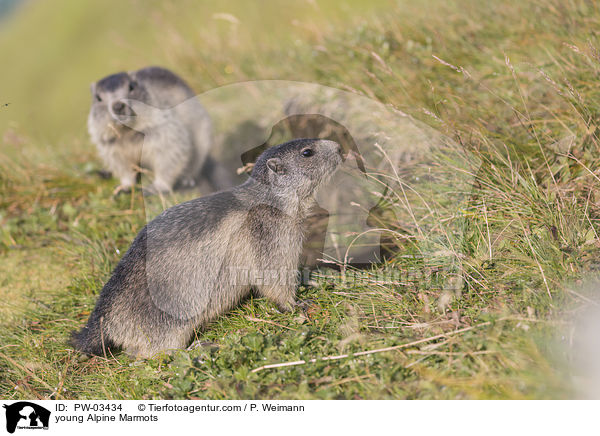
(307, 152)
(98, 97)
(131, 86)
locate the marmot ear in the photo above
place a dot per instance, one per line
(93, 88)
(276, 165)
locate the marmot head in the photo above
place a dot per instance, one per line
(109, 95)
(298, 167)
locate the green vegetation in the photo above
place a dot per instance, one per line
(515, 83)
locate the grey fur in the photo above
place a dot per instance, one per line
(198, 259)
(149, 118)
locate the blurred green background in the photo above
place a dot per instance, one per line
(52, 51)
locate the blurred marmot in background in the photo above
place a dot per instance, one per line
(150, 119)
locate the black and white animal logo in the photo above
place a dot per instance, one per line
(26, 415)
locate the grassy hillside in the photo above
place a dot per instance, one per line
(53, 51)
(515, 84)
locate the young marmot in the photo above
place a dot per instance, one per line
(172, 135)
(198, 259)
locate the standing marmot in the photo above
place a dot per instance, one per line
(149, 118)
(198, 259)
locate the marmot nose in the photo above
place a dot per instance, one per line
(118, 107)
(336, 147)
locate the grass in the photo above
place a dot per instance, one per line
(515, 84)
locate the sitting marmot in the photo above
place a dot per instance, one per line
(198, 259)
(150, 119)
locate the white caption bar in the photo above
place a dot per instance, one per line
(299, 417)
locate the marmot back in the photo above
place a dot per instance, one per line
(198, 259)
(150, 119)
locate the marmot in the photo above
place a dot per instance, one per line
(307, 126)
(150, 119)
(198, 259)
